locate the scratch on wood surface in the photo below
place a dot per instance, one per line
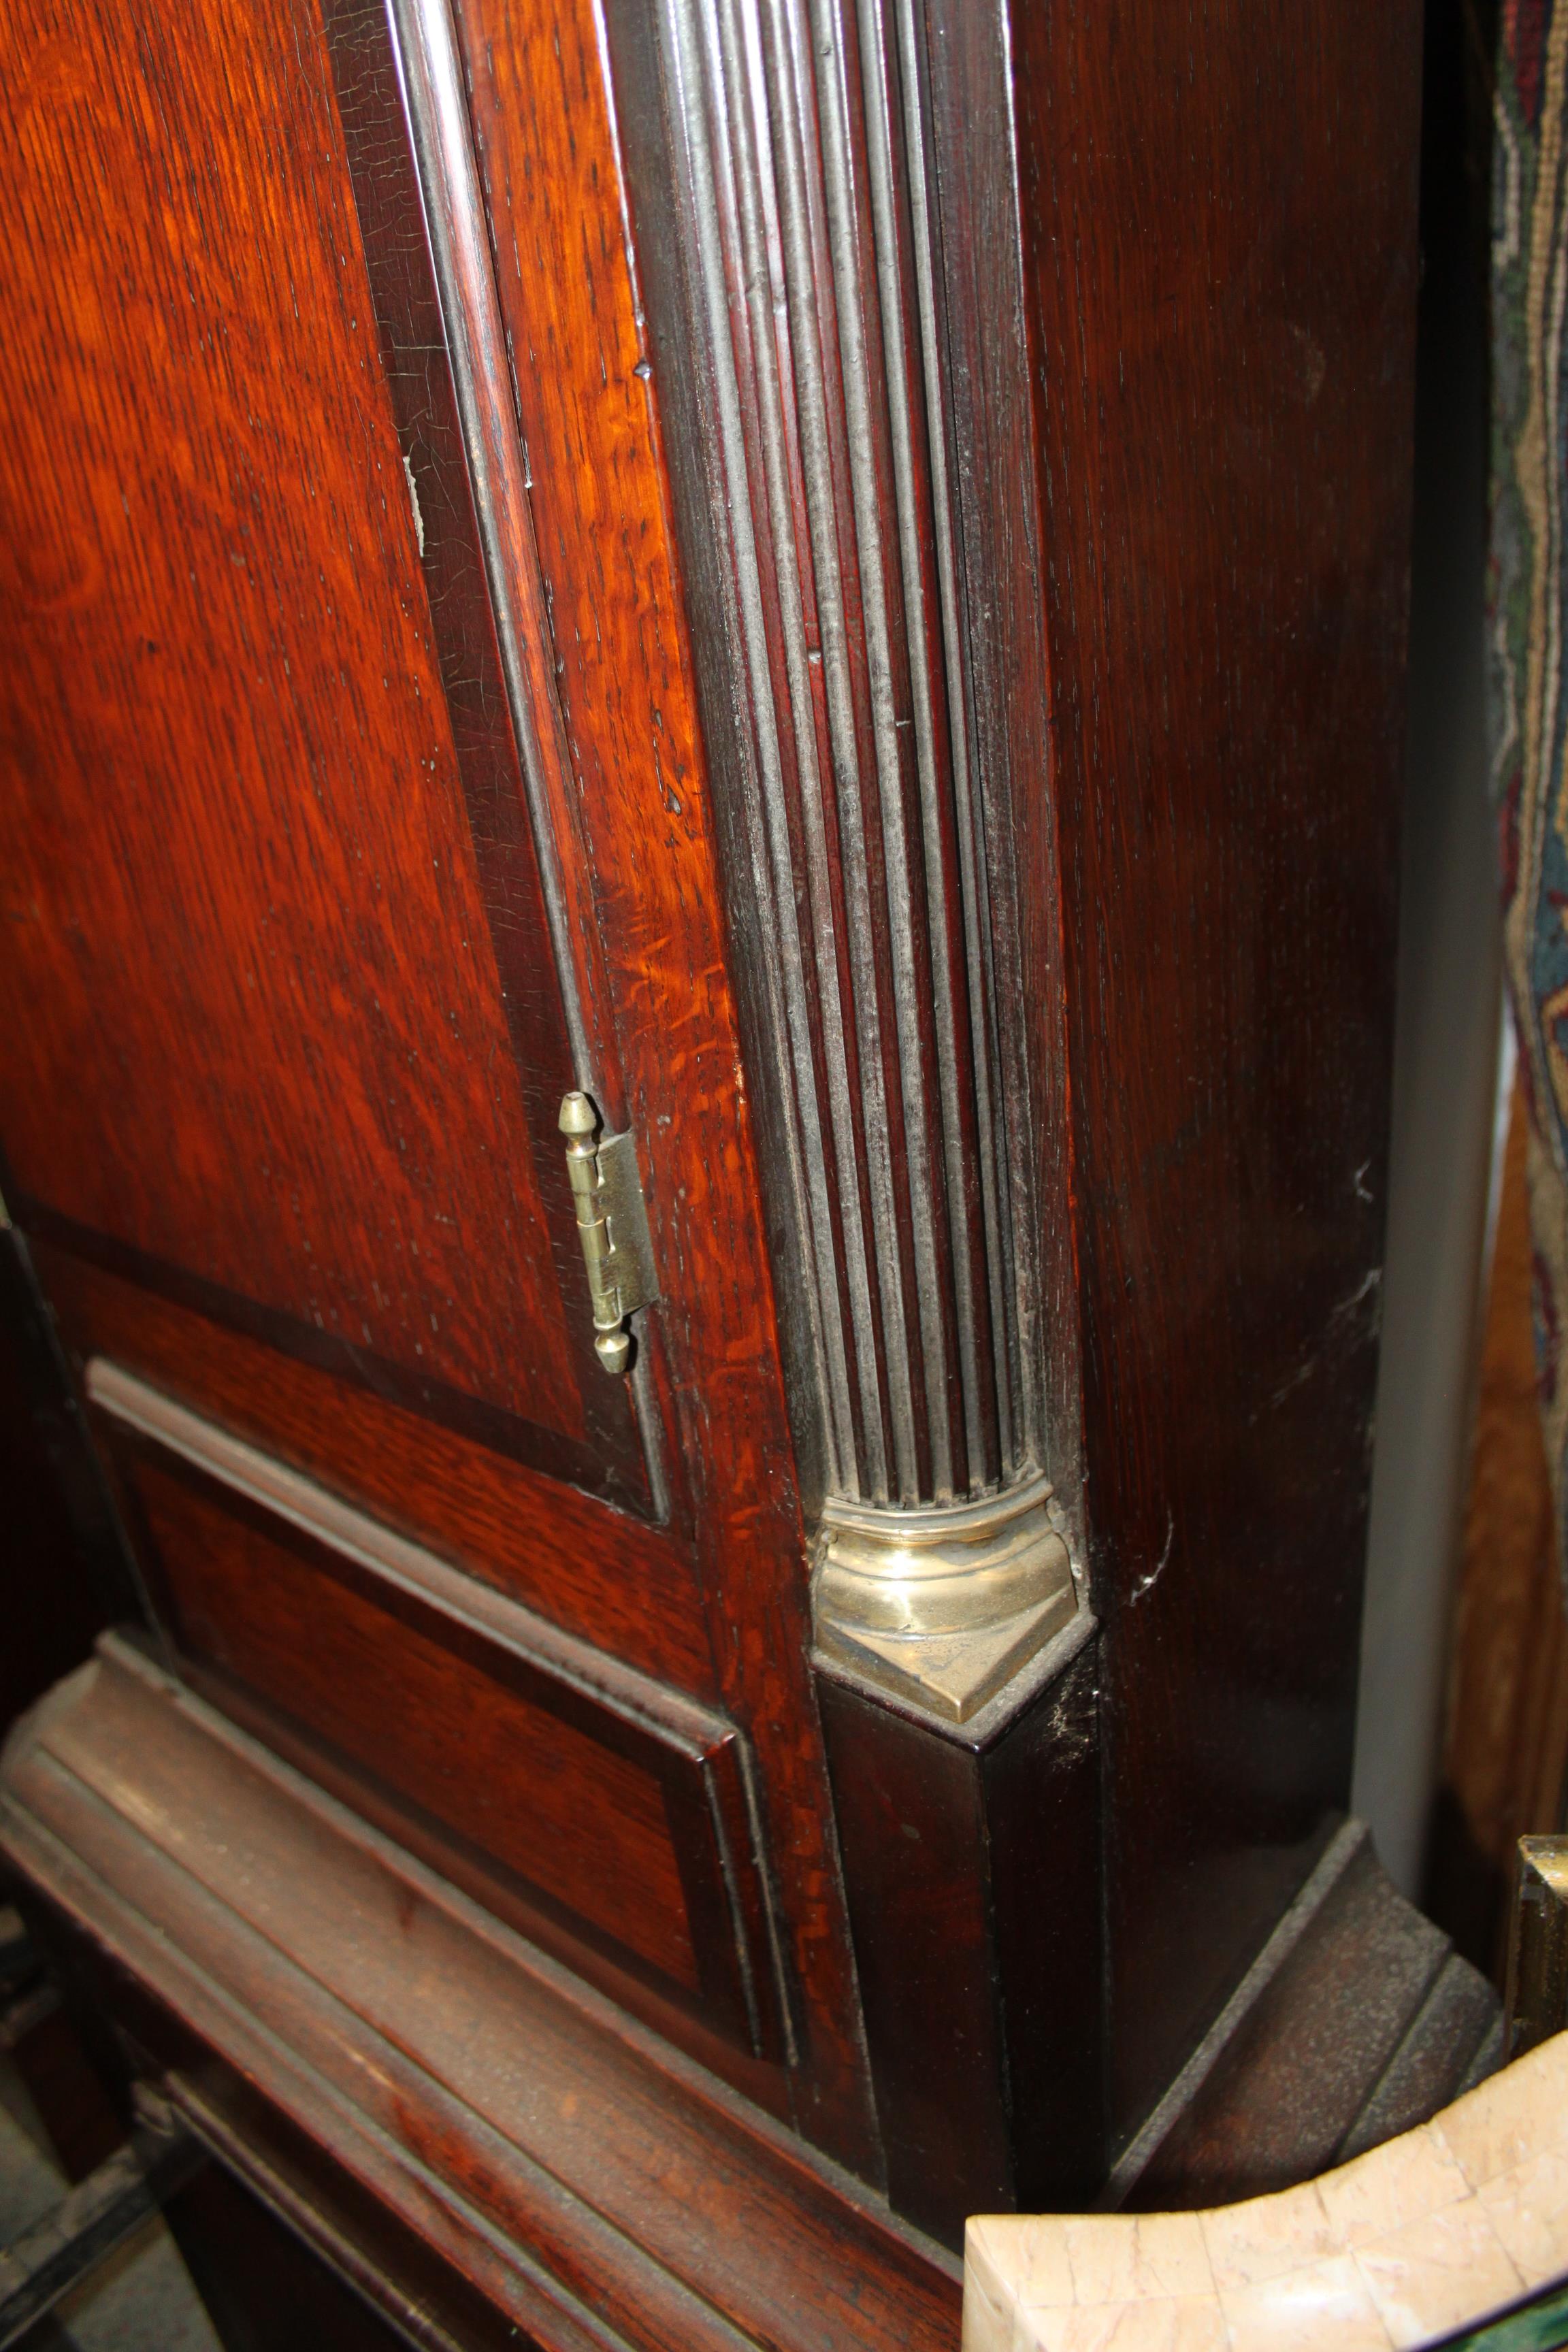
(414, 503)
(1147, 1583)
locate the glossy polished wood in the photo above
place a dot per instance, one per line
(1222, 316)
(227, 694)
(1169, 314)
(577, 1820)
(973, 1873)
(715, 1599)
(620, 1807)
(567, 278)
(602, 1574)
(1179, 383)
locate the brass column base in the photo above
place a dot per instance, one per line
(941, 1605)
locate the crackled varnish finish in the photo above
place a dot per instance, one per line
(833, 576)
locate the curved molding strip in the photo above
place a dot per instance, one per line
(868, 797)
(1426, 2235)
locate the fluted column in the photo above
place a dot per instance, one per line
(867, 836)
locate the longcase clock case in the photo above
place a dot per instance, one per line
(710, 1680)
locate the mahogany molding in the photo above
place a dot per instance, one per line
(594, 2186)
(512, 1529)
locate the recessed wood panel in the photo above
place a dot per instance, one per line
(577, 1822)
(269, 893)
(606, 1813)
(217, 288)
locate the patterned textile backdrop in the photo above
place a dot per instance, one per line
(1527, 713)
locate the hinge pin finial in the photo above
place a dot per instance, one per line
(611, 1227)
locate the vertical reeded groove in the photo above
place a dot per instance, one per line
(817, 270)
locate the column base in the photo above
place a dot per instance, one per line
(940, 1606)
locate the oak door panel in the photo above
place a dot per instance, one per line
(265, 149)
(604, 1811)
(270, 891)
(575, 1820)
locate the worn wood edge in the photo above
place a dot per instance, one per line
(449, 2223)
(363, 2245)
(1330, 1868)
(534, 2297)
(135, 1898)
(207, 2124)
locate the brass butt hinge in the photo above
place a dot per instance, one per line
(611, 1225)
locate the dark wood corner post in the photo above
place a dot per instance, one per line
(977, 332)
(827, 223)
(1219, 215)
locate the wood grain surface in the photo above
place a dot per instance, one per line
(289, 1026)
(973, 1876)
(270, 871)
(247, 910)
(597, 1572)
(596, 2191)
(424, 1710)
(606, 1814)
(1220, 235)
(588, 400)
(1174, 354)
